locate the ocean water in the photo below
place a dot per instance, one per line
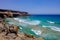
(45, 26)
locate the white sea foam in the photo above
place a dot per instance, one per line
(20, 20)
(20, 27)
(33, 22)
(16, 18)
(55, 28)
(50, 22)
(37, 32)
(44, 26)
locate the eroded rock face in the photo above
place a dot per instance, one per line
(13, 34)
(12, 29)
(12, 13)
(1, 27)
(30, 36)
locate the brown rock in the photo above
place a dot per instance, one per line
(12, 29)
(20, 35)
(18, 38)
(30, 36)
(40, 38)
(1, 27)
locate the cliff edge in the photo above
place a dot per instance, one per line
(12, 13)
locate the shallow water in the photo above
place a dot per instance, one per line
(45, 26)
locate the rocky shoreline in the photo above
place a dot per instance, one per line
(10, 32)
(12, 13)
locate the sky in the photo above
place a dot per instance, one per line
(32, 6)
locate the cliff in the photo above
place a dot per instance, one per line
(12, 13)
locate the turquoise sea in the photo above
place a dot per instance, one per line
(45, 26)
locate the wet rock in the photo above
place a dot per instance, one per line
(30, 36)
(40, 38)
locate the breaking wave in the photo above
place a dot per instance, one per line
(44, 26)
(50, 22)
(37, 22)
(33, 22)
(37, 32)
(55, 28)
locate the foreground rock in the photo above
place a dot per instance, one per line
(10, 32)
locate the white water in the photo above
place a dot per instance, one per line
(37, 32)
(55, 28)
(33, 22)
(50, 22)
(37, 22)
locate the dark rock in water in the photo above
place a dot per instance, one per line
(30, 36)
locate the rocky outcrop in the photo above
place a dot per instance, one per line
(12, 13)
(10, 30)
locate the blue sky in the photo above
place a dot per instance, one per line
(32, 6)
